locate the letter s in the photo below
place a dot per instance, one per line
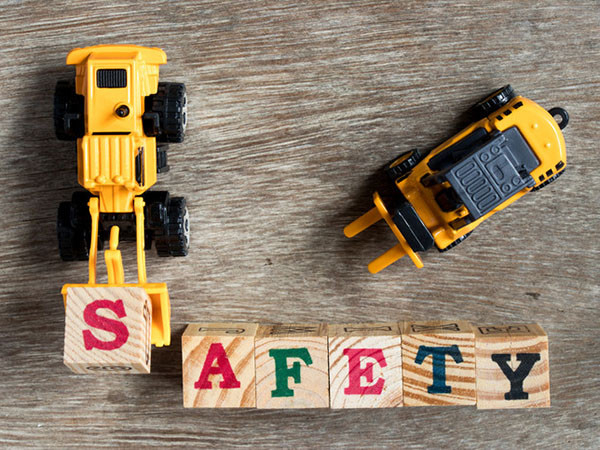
(113, 326)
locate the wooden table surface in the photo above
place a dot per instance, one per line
(294, 106)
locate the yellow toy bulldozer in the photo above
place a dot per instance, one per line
(122, 119)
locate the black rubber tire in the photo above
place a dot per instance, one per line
(170, 104)
(68, 103)
(455, 243)
(492, 102)
(73, 228)
(404, 167)
(552, 179)
(162, 165)
(176, 241)
(156, 221)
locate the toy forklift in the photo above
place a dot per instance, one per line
(122, 119)
(513, 146)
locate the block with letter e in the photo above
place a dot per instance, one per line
(291, 366)
(438, 360)
(365, 365)
(108, 330)
(512, 366)
(218, 365)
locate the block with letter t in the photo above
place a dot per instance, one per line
(365, 365)
(291, 366)
(108, 330)
(512, 366)
(438, 360)
(218, 365)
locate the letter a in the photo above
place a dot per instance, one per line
(223, 367)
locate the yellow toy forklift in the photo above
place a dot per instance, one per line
(513, 146)
(122, 119)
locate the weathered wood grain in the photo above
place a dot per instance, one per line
(294, 106)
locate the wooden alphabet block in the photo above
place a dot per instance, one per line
(218, 365)
(292, 366)
(108, 330)
(513, 370)
(438, 363)
(365, 365)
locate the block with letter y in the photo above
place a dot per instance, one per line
(291, 366)
(108, 330)
(512, 366)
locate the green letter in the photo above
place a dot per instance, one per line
(283, 372)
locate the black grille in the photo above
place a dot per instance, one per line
(111, 78)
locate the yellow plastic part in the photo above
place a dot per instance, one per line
(111, 145)
(161, 309)
(108, 154)
(114, 262)
(538, 128)
(373, 216)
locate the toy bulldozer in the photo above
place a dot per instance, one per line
(121, 118)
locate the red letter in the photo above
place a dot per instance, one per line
(216, 351)
(357, 372)
(114, 326)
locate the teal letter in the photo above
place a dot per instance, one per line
(438, 354)
(283, 372)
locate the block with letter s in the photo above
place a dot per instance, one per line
(108, 330)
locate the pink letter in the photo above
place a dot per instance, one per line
(357, 371)
(114, 326)
(216, 351)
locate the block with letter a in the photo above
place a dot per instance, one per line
(218, 365)
(365, 365)
(108, 330)
(512, 366)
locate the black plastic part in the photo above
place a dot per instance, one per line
(492, 102)
(167, 223)
(549, 180)
(162, 165)
(412, 227)
(492, 173)
(73, 228)
(122, 111)
(166, 113)
(157, 221)
(178, 228)
(448, 200)
(68, 112)
(139, 167)
(563, 114)
(455, 243)
(404, 167)
(111, 78)
(458, 150)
